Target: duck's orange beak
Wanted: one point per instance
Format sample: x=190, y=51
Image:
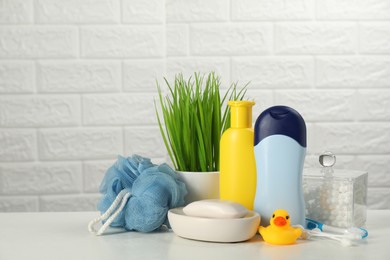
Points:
x=280, y=221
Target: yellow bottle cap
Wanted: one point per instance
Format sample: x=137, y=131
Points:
x=241, y=113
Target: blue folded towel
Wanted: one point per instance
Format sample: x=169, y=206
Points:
x=153, y=190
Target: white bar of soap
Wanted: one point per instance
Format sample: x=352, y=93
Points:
x=215, y=209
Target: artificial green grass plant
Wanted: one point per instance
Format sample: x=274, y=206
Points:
x=193, y=120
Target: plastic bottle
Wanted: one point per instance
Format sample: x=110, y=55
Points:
x=280, y=149
x=237, y=162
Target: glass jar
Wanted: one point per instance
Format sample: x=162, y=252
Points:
x=335, y=197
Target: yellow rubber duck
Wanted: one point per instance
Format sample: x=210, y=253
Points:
x=279, y=232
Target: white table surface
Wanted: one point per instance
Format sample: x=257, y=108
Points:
x=65, y=236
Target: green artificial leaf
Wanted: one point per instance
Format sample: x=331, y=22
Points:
x=193, y=120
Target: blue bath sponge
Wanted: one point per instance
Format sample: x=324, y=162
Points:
x=153, y=189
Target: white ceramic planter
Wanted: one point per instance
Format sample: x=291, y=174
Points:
x=200, y=185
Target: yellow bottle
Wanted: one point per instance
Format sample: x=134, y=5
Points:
x=237, y=160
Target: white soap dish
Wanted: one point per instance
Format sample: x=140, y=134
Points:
x=214, y=229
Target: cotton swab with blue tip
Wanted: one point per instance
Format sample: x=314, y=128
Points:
x=312, y=224
x=347, y=237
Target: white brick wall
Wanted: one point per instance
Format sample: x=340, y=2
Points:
x=16, y=77
x=229, y=39
x=78, y=80
x=30, y=41
x=78, y=76
x=77, y=11
x=39, y=110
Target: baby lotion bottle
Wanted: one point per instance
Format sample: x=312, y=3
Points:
x=280, y=149
x=237, y=162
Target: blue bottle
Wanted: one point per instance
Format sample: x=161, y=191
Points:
x=280, y=150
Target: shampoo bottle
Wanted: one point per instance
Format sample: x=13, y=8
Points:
x=280, y=149
x=237, y=162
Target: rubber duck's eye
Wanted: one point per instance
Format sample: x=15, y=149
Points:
x=273, y=215
x=287, y=217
